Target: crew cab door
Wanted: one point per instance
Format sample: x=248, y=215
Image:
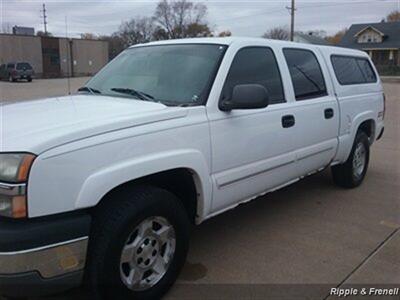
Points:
x=316, y=109
x=253, y=150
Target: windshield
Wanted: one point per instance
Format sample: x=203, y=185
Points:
x=178, y=74
x=23, y=66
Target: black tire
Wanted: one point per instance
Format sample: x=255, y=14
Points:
x=113, y=223
x=29, y=79
x=344, y=174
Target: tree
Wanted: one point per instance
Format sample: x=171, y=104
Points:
x=181, y=19
x=115, y=44
x=277, y=33
x=42, y=33
x=394, y=16
x=88, y=36
x=337, y=37
x=224, y=33
x=137, y=30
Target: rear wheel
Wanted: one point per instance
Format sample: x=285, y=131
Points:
x=29, y=79
x=351, y=173
x=138, y=245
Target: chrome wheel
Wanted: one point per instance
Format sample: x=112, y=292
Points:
x=147, y=253
x=359, y=160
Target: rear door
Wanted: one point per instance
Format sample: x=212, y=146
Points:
x=316, y=109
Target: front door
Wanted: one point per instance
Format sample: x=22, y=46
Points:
x=252, y=150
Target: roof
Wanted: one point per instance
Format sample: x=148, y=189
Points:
x=312, y=39
x=246, y=41
x=391, y=39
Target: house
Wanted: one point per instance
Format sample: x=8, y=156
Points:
x=309, y=38
x=380, y=40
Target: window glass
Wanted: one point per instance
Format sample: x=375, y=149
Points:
x=352, y=70
x=171, y=74
x=255, y=65
x=307, y=78
x=23, y=66
x=367, y=70
x=10, y=66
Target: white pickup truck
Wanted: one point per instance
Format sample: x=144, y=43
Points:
x=102, y=187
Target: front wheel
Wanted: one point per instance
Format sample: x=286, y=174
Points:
x=351, y=173
x=138, y=245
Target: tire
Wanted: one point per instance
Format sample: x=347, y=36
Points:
x=348, y=175
x=114, y=227
x=29, y=79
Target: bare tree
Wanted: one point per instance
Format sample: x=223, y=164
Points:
x=277, y=33
x=180, y=19
x=394, y=16
x=337, y=37
x=225, y=33
x=88, y=36
x=115, y=44
x=137, y=30
x=42, y=33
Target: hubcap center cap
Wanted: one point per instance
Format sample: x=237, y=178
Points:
x=147, y=252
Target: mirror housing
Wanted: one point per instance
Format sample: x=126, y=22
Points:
x=246, y=96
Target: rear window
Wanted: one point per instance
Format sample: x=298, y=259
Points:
x=23, y=66
x=352, y=70
x=306, y=73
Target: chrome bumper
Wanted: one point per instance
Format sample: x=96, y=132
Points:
x=49, y=261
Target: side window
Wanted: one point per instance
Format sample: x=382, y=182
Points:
x=352, y=70
x=306, y=73
x=10, y=66
x=255, y=65
x=367, y=70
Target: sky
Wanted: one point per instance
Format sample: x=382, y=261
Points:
x=242, y=18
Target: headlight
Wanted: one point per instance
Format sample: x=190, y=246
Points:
x=14, y=167
x=14, y=171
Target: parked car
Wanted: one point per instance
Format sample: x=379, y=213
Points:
x=16, y=70
x=105, y=184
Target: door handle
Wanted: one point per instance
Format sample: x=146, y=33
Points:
x=288, y=121
x=328, y=113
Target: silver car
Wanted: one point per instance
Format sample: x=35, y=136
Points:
x=16, y=70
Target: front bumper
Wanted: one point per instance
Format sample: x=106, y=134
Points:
x=42, y=256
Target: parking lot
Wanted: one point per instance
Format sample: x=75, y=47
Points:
x=298, y=241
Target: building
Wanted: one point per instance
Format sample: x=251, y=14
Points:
x=55, y=57
x=23, y=30
x=309, y=38
x=380, y=40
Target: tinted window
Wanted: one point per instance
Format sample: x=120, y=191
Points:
x=307, y=78
x=23, y=66
x=10, y=66
x=366, y=69
x=352, y=70
x=255, y=65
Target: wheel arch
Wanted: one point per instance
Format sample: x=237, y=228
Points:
x=167, y=171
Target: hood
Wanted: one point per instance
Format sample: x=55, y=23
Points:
x=37, y=125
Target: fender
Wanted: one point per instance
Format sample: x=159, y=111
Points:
x=100, y=183
x=346, y=140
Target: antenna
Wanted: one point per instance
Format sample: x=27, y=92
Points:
x=68, y=60
x=44, y=16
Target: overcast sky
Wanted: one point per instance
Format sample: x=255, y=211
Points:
x=242, y=18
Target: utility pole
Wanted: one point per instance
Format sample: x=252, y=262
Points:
x=44, y=18
x=292, y=9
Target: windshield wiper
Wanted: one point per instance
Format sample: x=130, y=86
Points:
x=135, y=93
x=89, y=89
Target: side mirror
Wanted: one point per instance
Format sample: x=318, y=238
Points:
x=246, y=96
